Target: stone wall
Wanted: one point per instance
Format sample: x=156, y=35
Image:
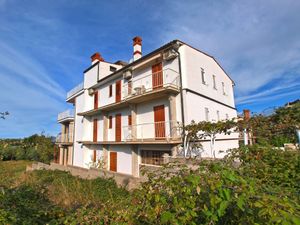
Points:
x=122, y=180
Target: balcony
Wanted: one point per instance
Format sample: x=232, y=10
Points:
x=153, y=82
x=166, y=131
x=74, y=92
x=143, y=89
x=66, y=116
x=64, y=138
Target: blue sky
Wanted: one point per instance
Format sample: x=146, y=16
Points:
x=45, y=46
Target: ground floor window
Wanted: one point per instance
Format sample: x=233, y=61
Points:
x=153, y=157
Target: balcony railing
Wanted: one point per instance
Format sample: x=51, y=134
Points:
x=166, y=130
x=75, y=90
x=150, y=82
x=64, y=138
x=65, y=115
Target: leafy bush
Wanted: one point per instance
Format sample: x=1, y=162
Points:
x=253, y=185
x=35, y=147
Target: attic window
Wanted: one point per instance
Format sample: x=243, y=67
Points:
x=112, y=69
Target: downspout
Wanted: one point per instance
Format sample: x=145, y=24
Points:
x=185, y=138
x=175, y=47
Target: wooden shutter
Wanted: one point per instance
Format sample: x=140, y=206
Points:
x=110, y=122
x=113, y=161
x=118, y=127
x=94, y=156
x=159, y=121
x=118, y=91
x=157, y=76
x=95, y=130
x=96, y=100
x=129, y=120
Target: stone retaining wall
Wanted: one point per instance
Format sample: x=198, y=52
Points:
x=122, y=180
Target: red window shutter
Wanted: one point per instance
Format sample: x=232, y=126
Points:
x=118, y=125
x=96, y=100
x=118, y=91
x=129, y=120
x=110, y=122
x=95, y=130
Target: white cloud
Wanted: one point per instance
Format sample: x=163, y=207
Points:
x=256, y=41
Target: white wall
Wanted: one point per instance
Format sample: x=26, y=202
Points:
x=145, y=117
x=88, y=152
x=195, y=109
x=91, y=76
x=221, y=148
x=124, y=158
x=111, y=135
x=78, y=132
x=192, y=62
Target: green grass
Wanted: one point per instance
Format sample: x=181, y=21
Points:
x=41, y=197
x=11, y=171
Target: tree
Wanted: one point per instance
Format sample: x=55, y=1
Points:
x=277, y=128
x=205, y=129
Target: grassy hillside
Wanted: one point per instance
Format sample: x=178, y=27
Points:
x=264, y=189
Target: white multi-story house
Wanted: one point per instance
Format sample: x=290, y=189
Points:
x=130, y=114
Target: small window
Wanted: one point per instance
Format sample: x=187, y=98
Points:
x=223, y=88
x=110, y=122
x=110, y=90
x=214, y=82
x=218, y=115
x=206, y=114
x=227, y=117
x=112, y=69
x=129, y=120
x=203, y=76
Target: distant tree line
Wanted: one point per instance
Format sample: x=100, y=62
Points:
x=36, y=147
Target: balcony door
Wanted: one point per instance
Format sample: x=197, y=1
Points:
x=157, y=76
x=118, y=127
x=118, y=91
x=159, y=122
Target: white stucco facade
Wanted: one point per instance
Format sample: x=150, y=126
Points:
x=130, y=114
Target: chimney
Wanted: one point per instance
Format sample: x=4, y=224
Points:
x=137, y=48
x=246, y=114
x=96, y=58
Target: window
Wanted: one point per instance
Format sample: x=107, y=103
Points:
x=153, y=157
x=110, y=90
x=112, y=69
x=218, y=115
x=223, y=88
x=206, y=114
x=129, y=120
x=129, y=87
x=202, y=76
x=110, y=122
x=227, y=117
x=214, y=82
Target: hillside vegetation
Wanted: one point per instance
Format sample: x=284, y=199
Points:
x=263, y=189
x=36, y=147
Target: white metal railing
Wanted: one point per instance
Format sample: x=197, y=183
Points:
x=64, y=137
x=164, y=130
x=142, y=84
x=65, y=114
x=75, y=90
